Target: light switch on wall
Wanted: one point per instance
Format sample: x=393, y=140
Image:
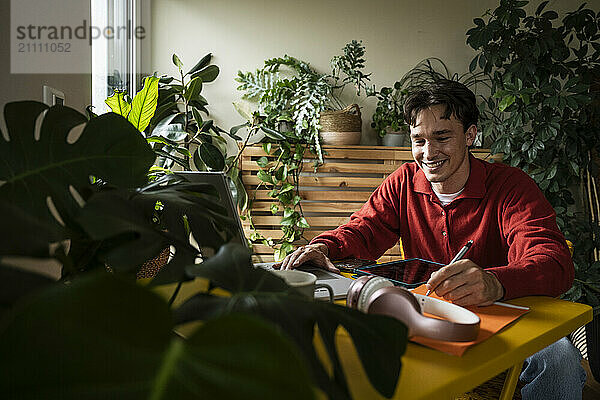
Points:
x=53, y=96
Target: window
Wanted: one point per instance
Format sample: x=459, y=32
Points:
x=120, y=55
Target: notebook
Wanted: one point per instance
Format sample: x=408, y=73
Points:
x=339, y=283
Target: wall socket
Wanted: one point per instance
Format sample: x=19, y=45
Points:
x=53, y=96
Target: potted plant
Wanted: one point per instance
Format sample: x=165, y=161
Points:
x=96, y=332
x=545, y=79
x=388, y=119
x=294, y=100
x=169, y=114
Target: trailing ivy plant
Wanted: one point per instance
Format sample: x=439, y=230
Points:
x=290, y=96
x=542, y=76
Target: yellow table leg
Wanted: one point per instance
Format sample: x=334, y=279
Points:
x=512, y=377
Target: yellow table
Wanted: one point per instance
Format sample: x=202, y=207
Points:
x=431, y=374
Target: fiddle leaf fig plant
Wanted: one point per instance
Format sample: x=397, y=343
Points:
x=545, y=76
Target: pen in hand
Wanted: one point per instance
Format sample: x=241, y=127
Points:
x=457, y=257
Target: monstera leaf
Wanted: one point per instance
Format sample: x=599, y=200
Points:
x=104, y=338
x=15, y=284
x=41, y=165
x=127, y=214
x=26, y=235
x=259, y=292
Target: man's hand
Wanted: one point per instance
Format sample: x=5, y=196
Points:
x=466, y=284
x=316, y=254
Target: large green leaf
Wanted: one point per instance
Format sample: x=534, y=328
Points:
x=211, y=156
x=29, y=236
x=108, y=148
x=128, y=214
x=208, y=74
x=204, y=61
x=193, y=89
x=118, y=104
x=103, y=338
x=259, y=292
x=144, y=104
x=16, y=283
x=170, y=130
x=177, y=62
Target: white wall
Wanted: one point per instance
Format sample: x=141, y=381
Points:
x=241, y=34
x=13, y=87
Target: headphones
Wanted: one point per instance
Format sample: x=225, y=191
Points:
x=377, y=295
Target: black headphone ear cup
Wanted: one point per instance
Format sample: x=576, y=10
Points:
x=368, y=289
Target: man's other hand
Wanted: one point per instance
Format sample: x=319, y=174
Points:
x=316, y=254
x=466, y=284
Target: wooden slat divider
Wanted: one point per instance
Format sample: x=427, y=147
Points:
x=334, y=167
x=314, y=195
x=312, y=221
x=308, y=207
x=262, y=250
x=277, y=233
x=325, y=181
x=330, y=195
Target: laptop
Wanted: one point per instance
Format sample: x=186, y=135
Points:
x=340, y=284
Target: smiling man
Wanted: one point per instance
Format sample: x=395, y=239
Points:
x=446, y=198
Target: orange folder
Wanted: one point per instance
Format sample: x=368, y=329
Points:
x=493, y=319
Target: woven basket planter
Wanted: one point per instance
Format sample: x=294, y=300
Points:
x=343, y=127
x=151, y=267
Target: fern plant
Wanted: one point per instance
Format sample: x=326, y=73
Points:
x=290, y=96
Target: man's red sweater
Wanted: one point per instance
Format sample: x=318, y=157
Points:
x=501, y=209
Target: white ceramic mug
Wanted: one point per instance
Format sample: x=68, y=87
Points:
x=303, y=282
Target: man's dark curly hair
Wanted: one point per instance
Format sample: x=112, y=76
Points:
x=458, y=99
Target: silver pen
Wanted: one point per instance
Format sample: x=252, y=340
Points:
x=457, y=257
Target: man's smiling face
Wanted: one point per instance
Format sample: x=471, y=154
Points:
x=440, y=148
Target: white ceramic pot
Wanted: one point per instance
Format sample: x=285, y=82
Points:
x=396, y=139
